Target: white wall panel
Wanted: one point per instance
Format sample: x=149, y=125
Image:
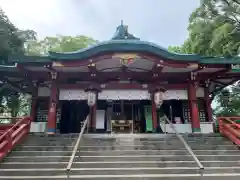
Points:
x=124, y=94
x=206, y=128
x=175, y=94
x=74, y=94
x=43, y=92
x=200, y=92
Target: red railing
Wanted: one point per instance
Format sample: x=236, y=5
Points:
x=13, y=135
x=7, y=125
x=230, y=127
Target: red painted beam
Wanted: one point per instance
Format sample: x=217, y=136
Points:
x=82, y=62
x=212, y=76
x=221, y=88
x=106, y=75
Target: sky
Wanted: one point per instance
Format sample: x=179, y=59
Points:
x=160, y=21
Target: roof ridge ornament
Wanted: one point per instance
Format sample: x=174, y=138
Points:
x=122, y=33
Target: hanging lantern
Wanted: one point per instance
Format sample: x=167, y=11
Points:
x=91, y=98
x=158, y=98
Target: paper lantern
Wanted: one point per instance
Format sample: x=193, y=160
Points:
x=91, y=98
x=158, y=98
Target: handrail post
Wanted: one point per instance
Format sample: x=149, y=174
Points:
x=201, y=167
x=9, y=141
x=165, y=130
x=75, y=149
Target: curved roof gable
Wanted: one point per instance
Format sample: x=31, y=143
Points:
x=123, y=41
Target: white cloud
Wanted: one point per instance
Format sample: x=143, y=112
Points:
x=164, y=22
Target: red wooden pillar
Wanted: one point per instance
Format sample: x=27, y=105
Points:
x=94, y=109
x=193, y=106
x=33, y=108
x=92, y=116
x=208, y=102
x=154, y=114
x=52, y=110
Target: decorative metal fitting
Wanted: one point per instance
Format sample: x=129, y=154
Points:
x=54, y=75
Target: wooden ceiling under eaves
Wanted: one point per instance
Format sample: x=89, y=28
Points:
x=138, y=69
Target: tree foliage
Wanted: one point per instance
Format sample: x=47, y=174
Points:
x=16, y=41
x=58, y=44
x=214, y=30
x=11, y=38
x=228, y=102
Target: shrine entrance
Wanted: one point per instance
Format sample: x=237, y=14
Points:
x=73, y=113
x=127, y=116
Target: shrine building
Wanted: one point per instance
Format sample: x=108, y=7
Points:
x=124, y=85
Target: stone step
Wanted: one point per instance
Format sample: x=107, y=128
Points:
x=127, y=147
x=157, y=147
x=44, y=148
x=146, y=137
x=117, y=171
x=46, y=143
x=122, y=152
x=216, y=176
x=175, y=143
x=62, y=157
x=116, y=164
x=118, y=157
x=149, y=135
x=159, y=158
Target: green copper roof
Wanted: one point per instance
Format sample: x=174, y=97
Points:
x=220, y=60
x=6, y=68
x=122, y=46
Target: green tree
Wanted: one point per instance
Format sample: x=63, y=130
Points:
x=11, y=38
x=175, y=49
x=58, y=44
x=12, y=41
x=214, y=30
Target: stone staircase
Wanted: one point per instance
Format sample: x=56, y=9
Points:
x=123, y=157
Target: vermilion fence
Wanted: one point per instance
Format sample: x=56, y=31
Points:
x=13, y=134
x=230, y=127
x=6, y=123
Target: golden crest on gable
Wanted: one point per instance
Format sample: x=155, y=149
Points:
x=57, y=64
x=126, y=58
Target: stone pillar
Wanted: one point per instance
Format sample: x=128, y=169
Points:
x=193, y=106
x=52, y=110
x=208, y=102
x=154, y=113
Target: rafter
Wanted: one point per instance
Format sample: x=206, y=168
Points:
x=212, y=76
x=12, y=84
x=217, y=90
x=27, y=76
x=218, y=82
